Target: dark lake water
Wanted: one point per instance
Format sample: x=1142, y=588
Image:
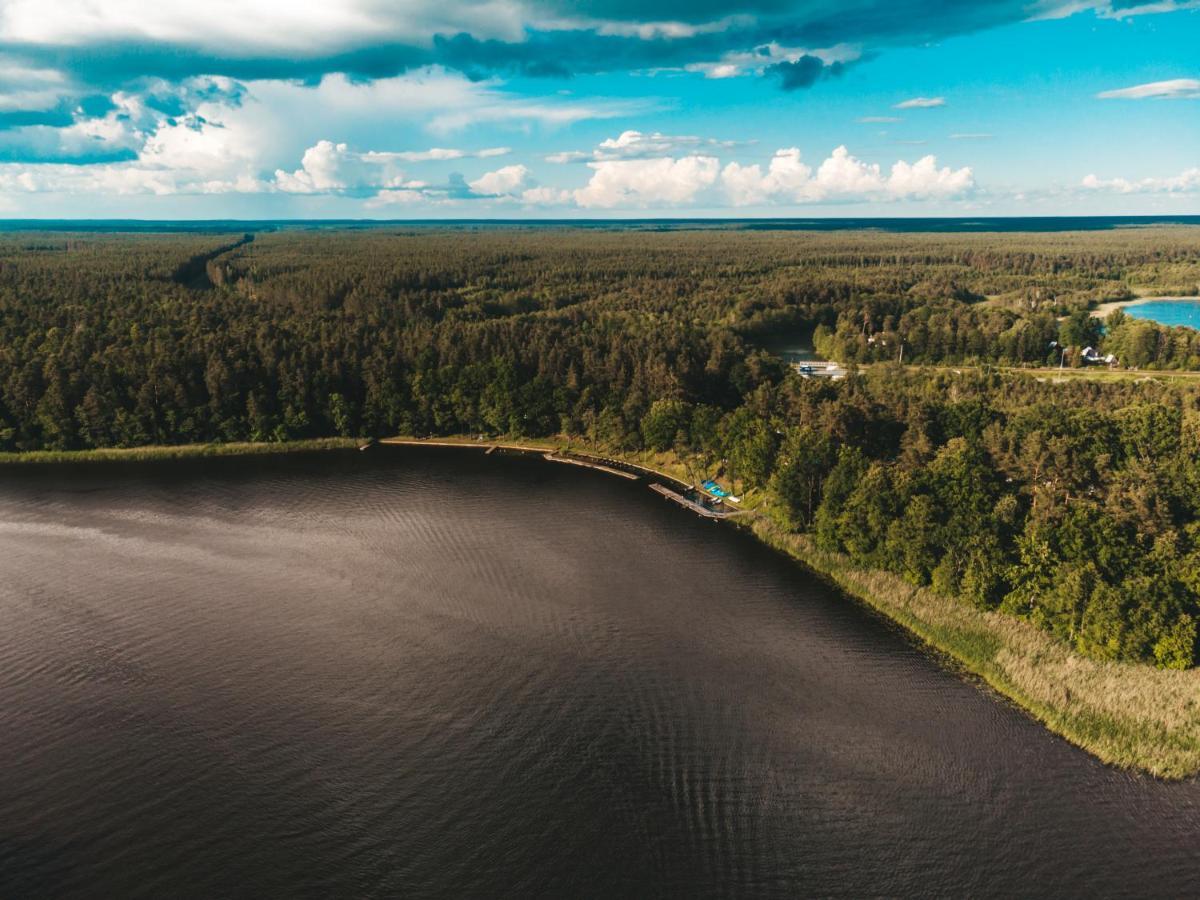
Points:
x=418, y=673
x=791, y=344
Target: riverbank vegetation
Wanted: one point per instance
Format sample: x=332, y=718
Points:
x=1129, y=715
x=175, y=451
x=1072, y=505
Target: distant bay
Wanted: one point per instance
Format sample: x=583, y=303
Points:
x=1168, y=311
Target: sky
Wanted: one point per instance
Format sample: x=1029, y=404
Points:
x=177, y=109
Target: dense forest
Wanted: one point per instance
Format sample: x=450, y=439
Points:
x=1074, y=503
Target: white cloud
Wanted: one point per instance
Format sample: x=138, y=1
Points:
x=722, y=70
x=115, y=179
x=271, y=26
x=1175, y=89
x=506, y=181
x=972, y=136
x=24, y=87
x=1185, y=182
x=921, y=103
x=546, y=196
x=878, y=120
x=567, y=156
x=397, y=197
x=327, y=167
x=248, y=137
x=639, y=145
x=649, y=31
x=841, y=177
x=647, y=182
x=786, y=176
x=760, y=58
x=924, y=179
x=507, y=110
x=1110, y=10
x=446, y=153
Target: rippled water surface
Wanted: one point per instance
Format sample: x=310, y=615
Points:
x=410, y=673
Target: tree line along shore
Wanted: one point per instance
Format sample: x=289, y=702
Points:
x=1065, y=509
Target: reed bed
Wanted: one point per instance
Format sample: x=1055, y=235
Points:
x=180, y=451
x=1129, y=715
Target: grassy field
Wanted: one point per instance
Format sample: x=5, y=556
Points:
x=181, y=451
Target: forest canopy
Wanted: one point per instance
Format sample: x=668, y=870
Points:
x=1072, y=503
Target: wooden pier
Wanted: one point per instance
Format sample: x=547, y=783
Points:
x=571, y=460
x=695, y=507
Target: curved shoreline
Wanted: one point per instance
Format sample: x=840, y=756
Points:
x=554, y=451
x=1130, y=715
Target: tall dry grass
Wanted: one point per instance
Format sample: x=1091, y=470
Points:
x=1128, y=714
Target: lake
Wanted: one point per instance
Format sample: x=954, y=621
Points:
x=427, y=673
x=792, y=345
x=1167, y=311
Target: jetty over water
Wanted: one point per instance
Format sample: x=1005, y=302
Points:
x=697, y=506
x=711, y=502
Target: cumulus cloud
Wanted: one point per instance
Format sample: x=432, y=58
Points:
x=840, y=177
x=506, y=181
x=786, y=176
x=327, y=167
x=208, y=135
x=921, y=103
x=640, y=183
x=1185, y=182
x=1175, y=89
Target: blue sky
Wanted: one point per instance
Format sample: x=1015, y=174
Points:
x=550, y=108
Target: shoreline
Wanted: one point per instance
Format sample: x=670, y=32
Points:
x=1129, y=715
x=551, y=450
x=174, y=451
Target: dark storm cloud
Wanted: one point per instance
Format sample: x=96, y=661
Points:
x=801, y=73
x=607, y=36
